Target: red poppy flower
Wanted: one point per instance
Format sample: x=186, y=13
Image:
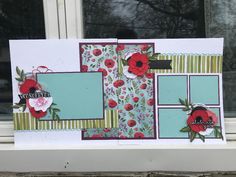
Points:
x=131, y=123
x=120, y=47
x=144, y=47
x=106, y=130
x=138, y=135
x=82, y=50
x=138, y=64
x=109, y=63
x=197, y=120
x=128, y=107
x=149, y=75
x=135, y=99
x=123, y=137
x=84, y=68
x=29, y=86
x=143, y=86
x=212, y=117
x=37, y=114
x=112, y=103
x=104, y=72
x=118, y=83
x=150, y=102
x=97, y=52
x=96, y=136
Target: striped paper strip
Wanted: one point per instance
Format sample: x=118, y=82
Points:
x=24, y=121
x=204, y=63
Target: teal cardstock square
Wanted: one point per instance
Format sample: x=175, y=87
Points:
x=79, y=96
x=170, y=89
x=204, y=89
x=171, y=121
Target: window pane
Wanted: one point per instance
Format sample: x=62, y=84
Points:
x=144, y=18
x=18, y=20
x=169, y=19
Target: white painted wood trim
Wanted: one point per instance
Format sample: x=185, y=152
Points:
x=51, y=18
x=119, y=158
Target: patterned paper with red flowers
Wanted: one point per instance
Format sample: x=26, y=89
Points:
x=134, y=90
x=103, y=58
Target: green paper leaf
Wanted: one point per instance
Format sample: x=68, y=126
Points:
x=18, y=71
x=22, y=74
x=109, y=79
x=50, y=110
x=23, y=108
x=181, y=101
x=57, y=117
x=152, y=58
x=185, y=109
x=192, y=136
x=53, y=115
x=56, y=110
x=202, y=137
x=124, y=62
x=156, y=54
x=19, y=79
x=15, y=106
x=185, y=129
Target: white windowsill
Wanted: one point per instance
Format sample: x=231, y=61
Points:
x=90, y=158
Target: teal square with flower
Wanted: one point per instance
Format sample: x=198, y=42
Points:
x=171, y=121
x=79, y=96
x=204, y=89
x=170, y=89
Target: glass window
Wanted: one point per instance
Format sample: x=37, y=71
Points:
x=18, y=20
x=169, y=19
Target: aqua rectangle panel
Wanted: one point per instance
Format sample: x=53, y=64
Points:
x=170, y=89
x=79, y=96
x=204, y=89
x=171, y=121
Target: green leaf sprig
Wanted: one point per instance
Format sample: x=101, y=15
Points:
x=188, y=106
x=21, y=75
x=54, y=112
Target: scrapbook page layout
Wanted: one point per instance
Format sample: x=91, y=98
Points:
x=96, y=91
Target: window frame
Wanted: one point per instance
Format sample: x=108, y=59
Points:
x=64, y=19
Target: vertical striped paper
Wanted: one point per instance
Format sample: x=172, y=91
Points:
x=24, y=121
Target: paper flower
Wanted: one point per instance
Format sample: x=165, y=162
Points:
x=143, y=86
x=118, y=83
x=127, y=73
x=112, y=103
x=120, y=47
x=201, y=121
x=128, y=107
x=41, y=103
x=37, y=114
x=84, y=68
x=208, y=131
x=41, y=69
x=131, y=123
x=109, y=63
x=197, y=119
x=138, y=135
x=29, y=86
x=138, y=64
x=104, y=72
x=150, y=102
x=97, y=52
x=136, y=99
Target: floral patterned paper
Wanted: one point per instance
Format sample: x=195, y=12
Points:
x=134, y=96
x=103, y=58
